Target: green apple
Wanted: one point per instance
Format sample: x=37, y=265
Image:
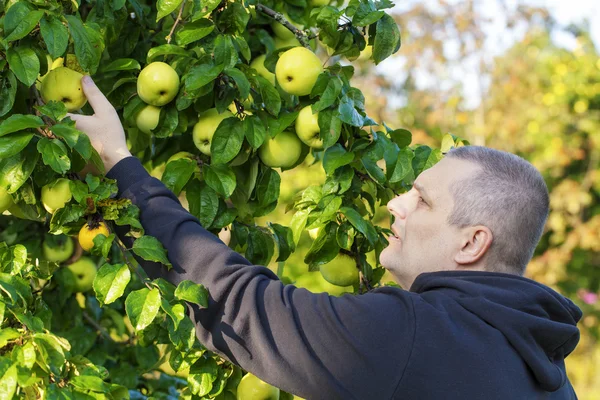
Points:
x=293, y=42
x=297, y=71
x=252, y=388
x=147, y=119
x=366, y=53
x=282, y=151
x=259, y=65
x=283, y=32
x=58, y=248
x=84, y=271
x=307, y=128
x=319, y=3
x=6, y=200
x=56, y=194
x=59, y=62
x=205, y=128
x=64, y=84
x=158, y=84
x=341, y=271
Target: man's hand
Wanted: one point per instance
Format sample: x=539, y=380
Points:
x=104, y=127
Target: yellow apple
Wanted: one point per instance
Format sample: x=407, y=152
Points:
x=307, y=128
x=341, y=271
x=158, y=84
x=147, y=119
x=87, y=234
x=252, y=388
x=297, y=71
x=6, y=200
x=282, y=151
x=64, y=84
x=259, y=65
x=283, y=32
x=205, y=128
x=59, y=62
x=84, y=272
x=56, y=194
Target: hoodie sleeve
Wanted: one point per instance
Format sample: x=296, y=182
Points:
x=314, y=345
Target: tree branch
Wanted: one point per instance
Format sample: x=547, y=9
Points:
x=279, y=17
x=170, y=35
x=101, y=329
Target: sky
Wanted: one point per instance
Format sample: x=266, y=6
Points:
x=565, y=12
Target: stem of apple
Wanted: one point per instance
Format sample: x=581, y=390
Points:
x=300, y=34
x=170, y=35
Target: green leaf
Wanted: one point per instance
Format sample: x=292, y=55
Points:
x=24, y=63
x=335, y=157
x=348, y=112
x=8, y=378
x=67, y=131
x=19, y=122
x=254, y=131
x=227, y=140
x=329, y=96
x=167, y=50
x=8, y=334
x=55, y=35
x=25, y=355
x=51, y=353
x=150, y=249
x=142, y=307
x=177, y=174
x=267, y=187
x=121, y=64
x=403, y=165
x=323, y=249
x=14, y=143
x=331, y=127
x=166, y=7
x=54, y=154
x=373, y=170
x=241, y=81
x=366, y=14
x=192, y=293
x=364, y=227
x=25, y=26
x=88, y=382
x=221, y=178
x=184, y=336
x=8, y=91
x=202, y=375
x=285, y=241
x=270, y=96
x=88, y=44
x=203, y=201
x=110, y=282
x=193, y=31
x=387, y=39
x=15, y=14
x=260, y=246
x=15, y=170
x=207, y=7
x=401, y=137
x=200, y=75
x=176, y=312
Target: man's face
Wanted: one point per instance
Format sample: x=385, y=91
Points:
x=422, y=239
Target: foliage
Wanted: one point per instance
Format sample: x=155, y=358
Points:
x=110, y=342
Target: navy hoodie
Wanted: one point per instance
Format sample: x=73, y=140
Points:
x=453, y=335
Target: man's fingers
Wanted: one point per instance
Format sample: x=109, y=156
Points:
x=95, y=97
x=76, y=117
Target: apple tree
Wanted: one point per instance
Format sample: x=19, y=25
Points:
x=218, y=99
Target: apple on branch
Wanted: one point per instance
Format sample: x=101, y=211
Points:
x=205, y=128
x=297, y=71
x=307, y=128
x=259, y=65
x=147, y=119
x=282, y=151
x=56, y=194
x=84, y=271
x=341, y=271
x=158, y=84
x=64, y=84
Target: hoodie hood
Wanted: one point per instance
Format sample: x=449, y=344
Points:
x=537, y=321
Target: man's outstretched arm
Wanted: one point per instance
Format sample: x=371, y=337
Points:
x=314, y=345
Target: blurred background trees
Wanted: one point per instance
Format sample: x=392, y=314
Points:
x=522, y=91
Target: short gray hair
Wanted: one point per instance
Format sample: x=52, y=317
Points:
x=509, y=196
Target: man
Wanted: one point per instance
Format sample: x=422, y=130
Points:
x=470, y=327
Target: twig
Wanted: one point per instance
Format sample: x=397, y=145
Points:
x=102, y=329
x=46, y=120
x=170, y=35
x=300, y=34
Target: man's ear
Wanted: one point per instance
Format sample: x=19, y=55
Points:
x=477, y=241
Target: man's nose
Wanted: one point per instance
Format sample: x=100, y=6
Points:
x=398, y=206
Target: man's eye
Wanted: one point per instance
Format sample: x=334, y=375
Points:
x=421, y=200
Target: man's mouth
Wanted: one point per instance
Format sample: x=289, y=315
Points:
x=394, y=235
